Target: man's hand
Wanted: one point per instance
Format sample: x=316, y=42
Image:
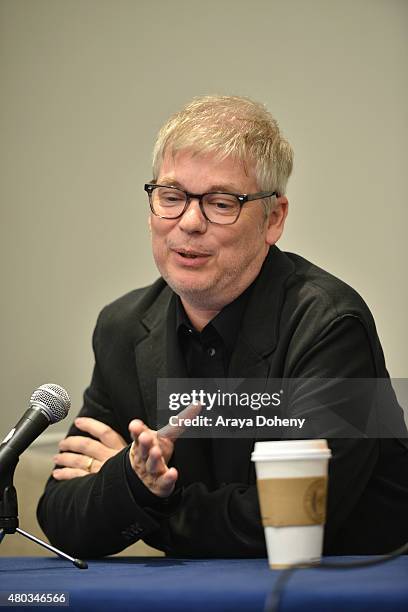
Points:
x=151, y=451
x=81, y=455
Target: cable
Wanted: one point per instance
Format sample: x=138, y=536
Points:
x=274, y=598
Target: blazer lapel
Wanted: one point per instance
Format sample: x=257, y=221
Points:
x=151, y=355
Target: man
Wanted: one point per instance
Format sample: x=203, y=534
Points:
x=228, y=303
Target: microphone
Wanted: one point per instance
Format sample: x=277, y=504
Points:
x=48, y=404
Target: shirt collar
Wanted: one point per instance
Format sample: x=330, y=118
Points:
x=226, y=324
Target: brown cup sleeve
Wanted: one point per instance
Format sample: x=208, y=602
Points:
x=292, y=501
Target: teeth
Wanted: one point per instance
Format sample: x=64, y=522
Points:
x=189, y=255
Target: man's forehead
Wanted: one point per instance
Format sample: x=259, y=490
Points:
x=174, y=159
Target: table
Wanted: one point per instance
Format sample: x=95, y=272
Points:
x=148, y=584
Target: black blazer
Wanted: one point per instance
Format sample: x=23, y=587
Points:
x=300, y=322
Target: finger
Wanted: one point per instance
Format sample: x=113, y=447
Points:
x=68, y=473
x=174, y=431
x=83, y=445
x=103, y=432
x=136, y=427
x=155, y=463
x=145, y=443
x=167, y=483
x=137, y=464
x=74, y=460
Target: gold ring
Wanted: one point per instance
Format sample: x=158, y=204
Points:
x=89, y=466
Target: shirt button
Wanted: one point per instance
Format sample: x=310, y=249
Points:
x=211, y=351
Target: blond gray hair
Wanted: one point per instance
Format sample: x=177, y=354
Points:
x=229, y=126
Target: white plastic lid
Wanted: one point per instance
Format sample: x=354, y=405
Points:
x=290, y=450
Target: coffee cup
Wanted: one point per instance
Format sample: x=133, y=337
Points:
x=292, y=478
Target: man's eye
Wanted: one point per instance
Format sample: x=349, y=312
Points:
x=222, y=205
x=172, y=198
x=169, y=197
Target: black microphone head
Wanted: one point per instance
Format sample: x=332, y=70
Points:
x=53, y=400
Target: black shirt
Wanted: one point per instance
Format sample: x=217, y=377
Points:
x=207, y=353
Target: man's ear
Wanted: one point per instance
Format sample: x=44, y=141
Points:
x=276, y=220
x=149, y=220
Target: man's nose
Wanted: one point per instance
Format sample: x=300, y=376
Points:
x=193, y=219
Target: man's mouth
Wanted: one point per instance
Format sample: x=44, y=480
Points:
x=187, y=254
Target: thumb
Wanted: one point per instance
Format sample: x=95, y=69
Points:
x=172, y=432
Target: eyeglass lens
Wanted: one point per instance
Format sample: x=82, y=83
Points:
x=218, y=207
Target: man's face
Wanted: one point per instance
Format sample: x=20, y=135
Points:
x=229, y=257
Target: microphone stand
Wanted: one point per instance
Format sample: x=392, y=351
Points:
x=9, y=514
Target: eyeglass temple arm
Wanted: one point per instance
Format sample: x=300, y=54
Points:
x=261, y=195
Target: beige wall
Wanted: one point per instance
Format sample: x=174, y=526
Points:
x=85, y=84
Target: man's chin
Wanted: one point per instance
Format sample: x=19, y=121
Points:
x=192, y=290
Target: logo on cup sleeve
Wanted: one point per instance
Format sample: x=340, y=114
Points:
x=315, y=500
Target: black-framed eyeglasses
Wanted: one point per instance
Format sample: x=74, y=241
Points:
x=223, y=208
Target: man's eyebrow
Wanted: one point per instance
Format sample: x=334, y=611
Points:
x=226, y=188
x=223, y=188
x=169, y=181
